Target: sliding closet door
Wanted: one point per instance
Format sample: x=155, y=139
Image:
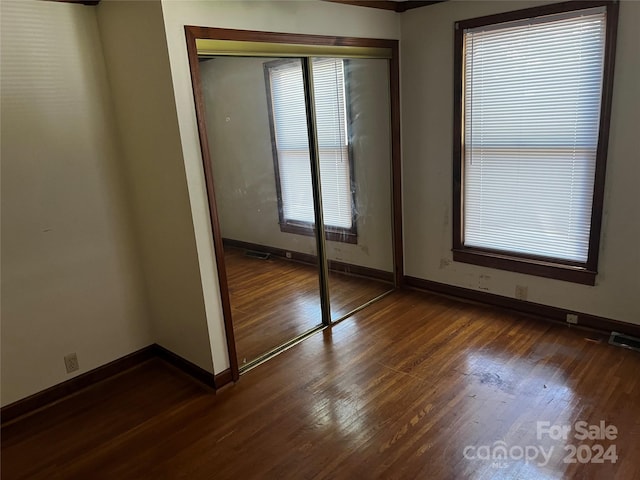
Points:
x=352, y=115
x=259, y=148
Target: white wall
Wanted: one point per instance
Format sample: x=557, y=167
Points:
x=427, y=93
x=70, y=266
x=286, y=16
x=242, y=158
x=135, y=52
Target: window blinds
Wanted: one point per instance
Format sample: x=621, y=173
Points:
x=532, y=94
x=289, y=115
x=292, y=141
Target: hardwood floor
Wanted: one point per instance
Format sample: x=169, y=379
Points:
x=399, y=390
x=276, y=300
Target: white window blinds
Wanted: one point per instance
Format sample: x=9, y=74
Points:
x=532, y=94
x=289, y=118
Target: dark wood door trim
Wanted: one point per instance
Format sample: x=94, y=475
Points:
x=396, y=163
x=198, y=97
x=194, y=32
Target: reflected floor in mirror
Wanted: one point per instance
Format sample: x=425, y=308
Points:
x=276, y=300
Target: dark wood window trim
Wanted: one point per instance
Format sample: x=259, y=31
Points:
x=336, y=234
x=584, y=273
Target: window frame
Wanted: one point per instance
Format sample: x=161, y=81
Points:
x=332, y=233
x=577, y=272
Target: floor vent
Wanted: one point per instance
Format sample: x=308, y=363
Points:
x=625, y=341
x=258, y=255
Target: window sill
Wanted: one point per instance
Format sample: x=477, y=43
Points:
x=331, y=233
x=529, y=266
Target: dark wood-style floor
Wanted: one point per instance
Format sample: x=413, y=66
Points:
x=397, y=391
x=276, y=300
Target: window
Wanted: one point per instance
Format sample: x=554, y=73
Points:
x=285, y=88
x=533, y=92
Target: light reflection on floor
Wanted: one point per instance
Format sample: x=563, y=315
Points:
x=495, y=387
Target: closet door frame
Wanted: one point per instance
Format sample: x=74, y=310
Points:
x=254, y=44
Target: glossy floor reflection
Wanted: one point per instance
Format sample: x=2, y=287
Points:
x=276, y=300
x=399, y=390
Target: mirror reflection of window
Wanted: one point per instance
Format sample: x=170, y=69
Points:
x=290, y=136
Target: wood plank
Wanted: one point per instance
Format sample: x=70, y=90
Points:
x=396, y=391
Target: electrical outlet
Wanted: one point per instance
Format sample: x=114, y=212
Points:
x=287, y=254
x=572, y=318
x=521, y=292
x=71, y=362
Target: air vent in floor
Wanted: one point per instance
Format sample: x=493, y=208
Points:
x=258, y=255
x=625, y=341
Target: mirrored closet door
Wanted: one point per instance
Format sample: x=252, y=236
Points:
x=352, y=115
x=298, y=163
x=257, y=130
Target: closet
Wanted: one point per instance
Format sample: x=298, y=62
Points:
x=300, y=147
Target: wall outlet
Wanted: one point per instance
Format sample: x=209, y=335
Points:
x=572, y=318
x=71, y=362
x=522, y=292
x=287, y=254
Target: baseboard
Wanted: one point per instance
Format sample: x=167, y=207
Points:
x=360, y=271
x=57, y=392
x=606, y=325
x=46, y=397
x=185, y=365
x=334, y=265
x=223, y=378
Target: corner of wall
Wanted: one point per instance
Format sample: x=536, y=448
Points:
x=136, y=55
